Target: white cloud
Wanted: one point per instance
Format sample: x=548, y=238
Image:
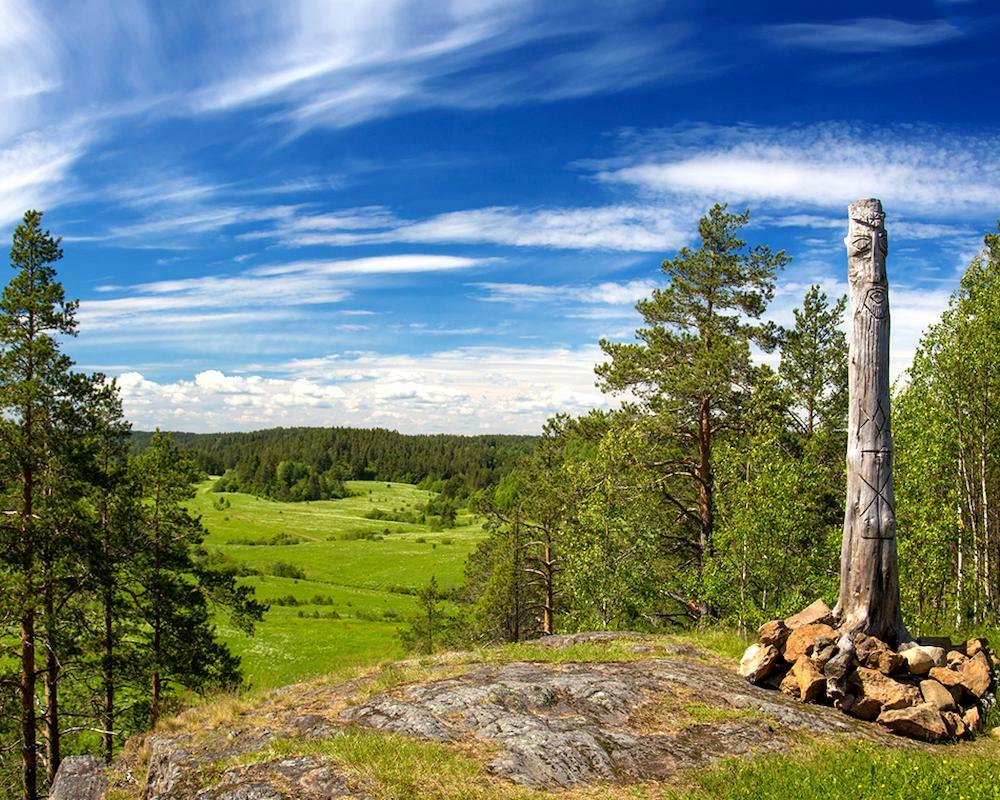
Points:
x=470, y=390
x=869, y=35
x=34, y=170
x=914, y=171
x=253, y=296
x=604, y=293
x=630, y=227
x=313, y=64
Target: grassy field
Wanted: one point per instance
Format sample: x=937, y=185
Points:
x=358, y=574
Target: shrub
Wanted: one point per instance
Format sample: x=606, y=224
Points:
x=282, y=569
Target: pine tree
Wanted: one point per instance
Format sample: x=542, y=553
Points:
x=172, y=583
x=690, y=367
x=814, y=361
x=33, y=375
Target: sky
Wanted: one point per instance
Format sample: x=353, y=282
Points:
x=425, y=215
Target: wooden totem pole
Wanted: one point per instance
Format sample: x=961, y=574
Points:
x=869, y=572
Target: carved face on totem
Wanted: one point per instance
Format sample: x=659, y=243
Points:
x=867, y=247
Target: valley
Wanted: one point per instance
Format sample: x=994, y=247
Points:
x=344, y=580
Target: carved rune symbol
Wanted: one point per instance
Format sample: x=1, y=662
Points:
x=878, y=419
x=876, y=473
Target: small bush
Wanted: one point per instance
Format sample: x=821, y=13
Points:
x=282, y=569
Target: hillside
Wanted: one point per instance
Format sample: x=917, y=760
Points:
x=338, y=582
x=588, y=716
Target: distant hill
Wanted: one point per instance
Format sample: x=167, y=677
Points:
x=451, y=464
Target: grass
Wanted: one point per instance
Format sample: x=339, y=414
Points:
x=370, y=569
x=858, y=772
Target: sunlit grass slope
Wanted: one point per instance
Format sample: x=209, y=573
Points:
x=359, y=573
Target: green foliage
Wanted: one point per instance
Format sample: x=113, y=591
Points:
x=814, y=362
x=778, y=538
x=432, y=627
x=306, y=464
x=946, y=422
x=282, y=569
x=688, y=371
x=176, y=586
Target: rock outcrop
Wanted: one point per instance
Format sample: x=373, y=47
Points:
x=80, y=778
x=651, y=710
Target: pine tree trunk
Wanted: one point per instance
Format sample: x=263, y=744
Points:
x=53, y=750
x=869, y=572
x=706, y=509
x=108, y=678
x=29, y=755
x=29, y=740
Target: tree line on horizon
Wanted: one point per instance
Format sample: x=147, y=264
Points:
x=309, y=463
x=107, y=599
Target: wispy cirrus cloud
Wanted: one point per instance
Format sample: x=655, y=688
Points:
x=226, y=299
x=603, y=293
x=867, y=35
x=627, y=227
x=915, y=170
x=35, y=170
x=317, y=65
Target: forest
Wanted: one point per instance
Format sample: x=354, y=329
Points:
x=710, y=495
x=312, y=463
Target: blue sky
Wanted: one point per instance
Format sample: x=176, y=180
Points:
x=424, y=215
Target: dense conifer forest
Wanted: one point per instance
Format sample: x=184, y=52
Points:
x=312, y=463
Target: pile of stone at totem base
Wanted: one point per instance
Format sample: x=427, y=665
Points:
x=929, y=689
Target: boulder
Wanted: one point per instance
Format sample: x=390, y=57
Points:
x=937, y=695
x=837, y=671
x=920, y=659
x=950, y=679
x=973, y=719
x=774, y=632
x=80, y=778
x=956, y=659
x=921, y=721
x=823, y=650
x=876, y=654
x=802, y=639
x=790, y=686
x=759, y=661
x=976, y=676
x=810, y=680
x=818, y=612
x=995, y=733
x=876, y=693
x=974, y=646
x=953, y=722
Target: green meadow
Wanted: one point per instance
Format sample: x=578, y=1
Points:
x=352, y=578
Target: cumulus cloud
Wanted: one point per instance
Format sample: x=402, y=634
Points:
x=470, y=390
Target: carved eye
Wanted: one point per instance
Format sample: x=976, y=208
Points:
x=860, y=245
